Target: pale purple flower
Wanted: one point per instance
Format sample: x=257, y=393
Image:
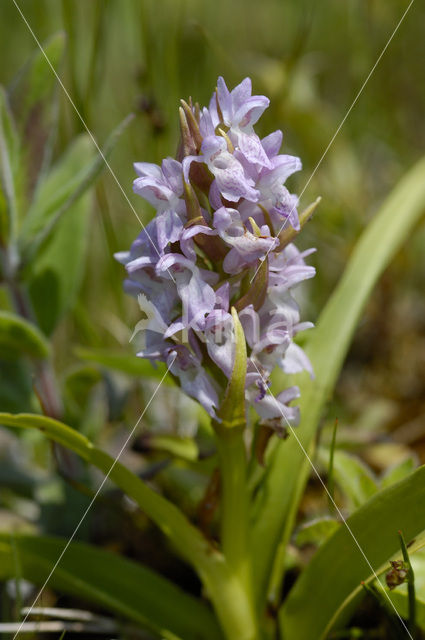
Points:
x=212, y=245
x=240, y=111
x=228, y=172
x=245, y=247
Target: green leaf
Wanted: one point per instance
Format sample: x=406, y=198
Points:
x=338, y=567
x=73, y=174
x=316, y=532
x=9, y=168
x=126, y=363
x=352, y=476
x=59, y=185
x=57, y=273
x=327, y=346
x=184, y=448
x=117, y=584
x=398, y=472
x=20, y=337
x=33, y=98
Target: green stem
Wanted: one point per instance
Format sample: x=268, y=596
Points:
x=233, y=497
x=234, y=516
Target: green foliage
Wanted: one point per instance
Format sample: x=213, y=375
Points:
x=103, y=578
x=398, y=472
x=20, y=337
x=58, y=189
x=228, y=594
x=63, y=186
x=316, y=532
x=9, y=168
x=57, y=274
x=33, y=97
x=352, y=476
x=15, y=384
x=125, y=363
x=335, y=572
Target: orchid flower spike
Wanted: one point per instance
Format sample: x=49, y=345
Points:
x=221, y=239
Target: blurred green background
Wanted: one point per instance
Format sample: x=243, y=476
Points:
x=310, y=58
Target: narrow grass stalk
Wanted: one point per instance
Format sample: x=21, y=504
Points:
x=410, y=586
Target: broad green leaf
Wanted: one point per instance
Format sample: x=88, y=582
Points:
x=115, y=583
x=9, y=168
x=351, y=475
x=126, y=363
x=317, y=531
x=20, y=337
x=33, y=98
x=56, y=275
x=327, y=346
x=338, y=567
x=73, y=174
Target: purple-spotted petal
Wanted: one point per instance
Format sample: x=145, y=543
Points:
x=198, y=297
x=251, y=147
x=250, y=111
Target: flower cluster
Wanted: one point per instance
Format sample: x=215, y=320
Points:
x=221, y=238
